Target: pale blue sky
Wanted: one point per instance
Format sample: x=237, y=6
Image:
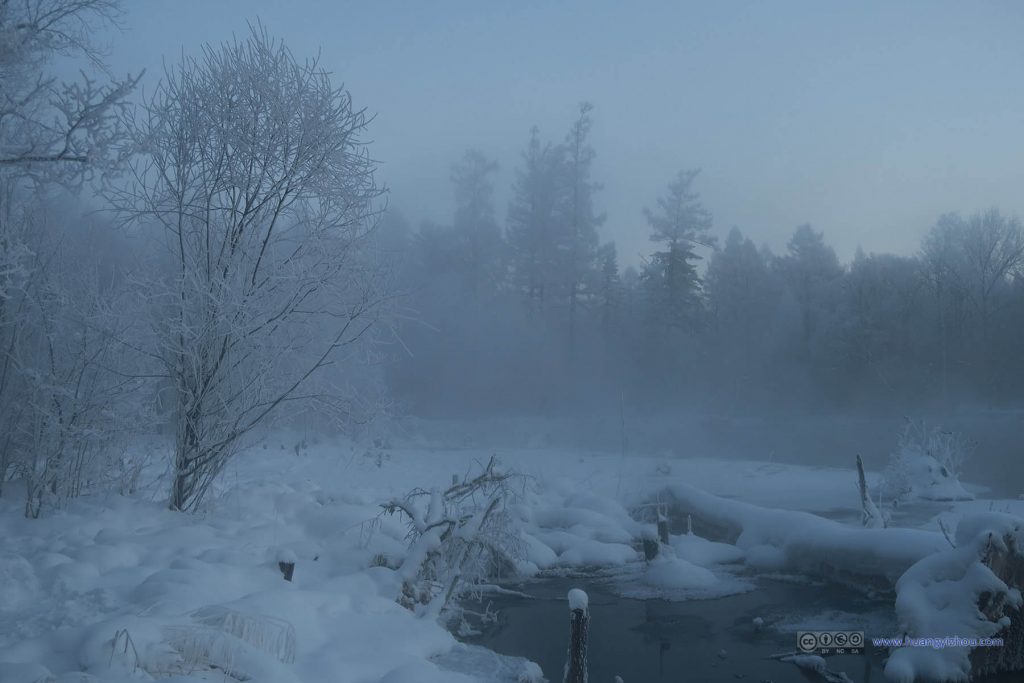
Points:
x=866, y=119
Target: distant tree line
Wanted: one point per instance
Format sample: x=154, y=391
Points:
x=530, y=312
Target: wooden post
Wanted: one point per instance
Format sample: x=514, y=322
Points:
x=579, y=621
x=287, y=569
x=663, y=525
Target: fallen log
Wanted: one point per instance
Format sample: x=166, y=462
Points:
x=801, y=542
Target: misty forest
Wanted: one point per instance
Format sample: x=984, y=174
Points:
x=279, y=404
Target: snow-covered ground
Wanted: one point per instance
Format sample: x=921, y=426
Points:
x=119, y=589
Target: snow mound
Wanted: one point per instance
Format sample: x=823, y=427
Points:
x=25, y=673
x=565, y=527
x=688, y=569
x=18, y=582
x=675, y=573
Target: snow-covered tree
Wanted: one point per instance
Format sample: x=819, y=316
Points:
x=251, y=174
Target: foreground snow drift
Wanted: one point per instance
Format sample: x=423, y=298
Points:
x=121, y=589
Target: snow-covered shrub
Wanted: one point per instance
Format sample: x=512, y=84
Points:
x=926, y=464
x=458, y=537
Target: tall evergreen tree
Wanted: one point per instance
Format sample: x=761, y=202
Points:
x=578, y=250
x=810, y=269
x=476, y=232
x=608, y=285
x=680, y=224
x=531, y=235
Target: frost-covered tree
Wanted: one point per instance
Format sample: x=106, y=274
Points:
x=53, y=326
x=971, y=263
x=49, y=127
x=251, y=173
x=872, y=336
x=75, y=391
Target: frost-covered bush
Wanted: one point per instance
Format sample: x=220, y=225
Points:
x=926, y=464
x=458, y=537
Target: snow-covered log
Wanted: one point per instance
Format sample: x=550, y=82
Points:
x=806, y=543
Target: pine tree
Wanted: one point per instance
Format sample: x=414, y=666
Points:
x=579, y=247
x=477, y=236
x=608, y=285
x=810, y=268
x=531, y=233
x=671, y=281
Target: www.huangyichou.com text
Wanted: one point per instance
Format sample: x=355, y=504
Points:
x=937, y=643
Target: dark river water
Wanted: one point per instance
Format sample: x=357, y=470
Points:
x=695, y=641
x=698, y=640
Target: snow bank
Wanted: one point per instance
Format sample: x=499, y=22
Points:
x=956, y=594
